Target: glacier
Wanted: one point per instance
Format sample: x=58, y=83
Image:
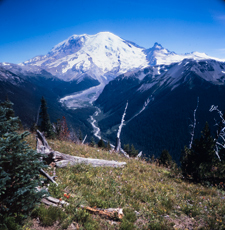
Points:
x=103, y=57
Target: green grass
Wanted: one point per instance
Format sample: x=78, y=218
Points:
x=161, y=197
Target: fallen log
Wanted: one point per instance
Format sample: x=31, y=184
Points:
x=110, y=213
x=89, y=161
x=51, y=201
x=63, y=160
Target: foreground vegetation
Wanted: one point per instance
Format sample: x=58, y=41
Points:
x=153, y=197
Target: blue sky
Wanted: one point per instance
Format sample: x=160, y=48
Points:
x=29, y=27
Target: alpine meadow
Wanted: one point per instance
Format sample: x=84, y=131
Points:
x=112, y=130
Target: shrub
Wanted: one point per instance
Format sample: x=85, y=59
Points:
x=48, y=216
x=128, y=219
x=126, y=225
x=129, y=214
x=55, y=190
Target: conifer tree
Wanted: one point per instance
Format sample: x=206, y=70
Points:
x=130, y=150
x=8, y=105
x=80, y=135
x=92, y=144
x=133, y=151
x=165, y=158
x=101, y=143
x=108, y=147
x=46, y=125
x=198, y=161
x=19, y=170
x=126, y=148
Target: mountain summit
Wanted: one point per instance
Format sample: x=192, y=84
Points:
x=103, y=57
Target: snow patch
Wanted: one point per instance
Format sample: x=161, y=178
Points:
x=145, y=87
x=143, y=108
x=4, y=63
x=156, y=70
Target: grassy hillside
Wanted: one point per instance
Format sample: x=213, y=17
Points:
x=153, y=197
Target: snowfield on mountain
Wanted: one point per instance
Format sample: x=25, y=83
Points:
x=104, y=56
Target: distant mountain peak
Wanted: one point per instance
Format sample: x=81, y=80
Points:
x=157, y=46
x=102, y=56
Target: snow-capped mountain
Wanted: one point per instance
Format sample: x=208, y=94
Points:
x=173, y=75
x=24, y=70
x=7, y=76
x=103, y=56
x=157, y=55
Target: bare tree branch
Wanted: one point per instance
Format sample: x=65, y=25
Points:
x=49, y=177
x=122, y=121
x=193, y=125
x=118, y=143
x=84, y=139
x=220, y=132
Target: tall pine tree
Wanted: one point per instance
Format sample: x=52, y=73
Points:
x=165, y=158
x=101, y=143
x=19, y=169
x=8, y=105
x=46, y=125
x=198, y=161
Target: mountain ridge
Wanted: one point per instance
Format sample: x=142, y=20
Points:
x=104, y=56
x=162, y=104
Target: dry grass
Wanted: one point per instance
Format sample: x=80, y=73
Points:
x=162, y=200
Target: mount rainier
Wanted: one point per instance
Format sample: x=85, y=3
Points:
x=105, y=71
x=103, y=57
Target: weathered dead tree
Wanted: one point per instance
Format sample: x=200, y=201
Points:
x=110, y=213
x=48, y=200
x=42, y=145
x=193, y=125
x=84, y=139
x=220, y=136
x=139, y=155
x=62, y=160
x=118, y=142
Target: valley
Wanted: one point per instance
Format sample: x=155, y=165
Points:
x=90, y=78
